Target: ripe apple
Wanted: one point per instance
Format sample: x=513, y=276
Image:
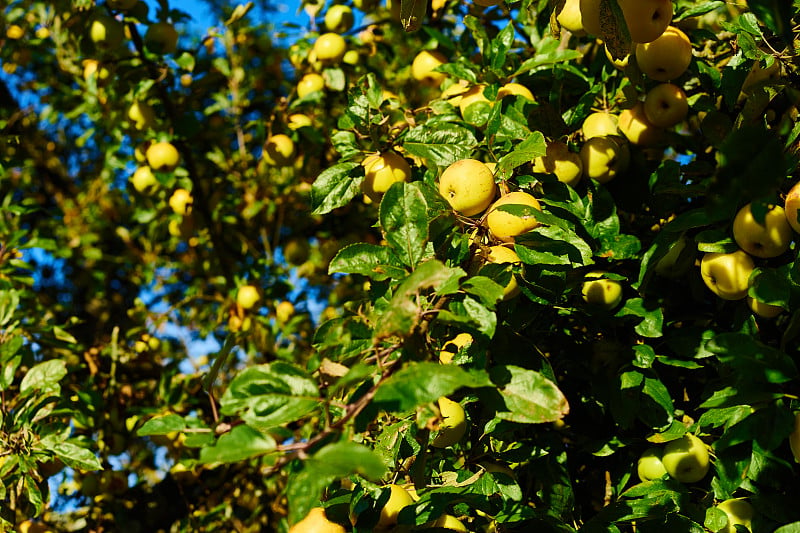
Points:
x=764, y=310
x=454, y=92
x=649, y=466
x=299, y=120
x=351, y=57
x=667, y=57
x=316, y=522
x=570, y=17
x=161, y=38
x=558, y=160
x=604, y=158
x=768, y=239
x=516, y=89
x=106, y=32
x=422, y=68
x=471, y=96
x=666, y=105
x=633, y=123
x=600, y=124
x=453, y=424
x=619, y=64
x=310, y=83
x=792, y=207
x=330, y=48
x=794, y=439
x=646, y=19
x=686, y=459
x=447, y=521
x=453, y=346
x=92, y=67
x=739, y=512
x=468, y=186
x=381, y=171
x=181, y=201
x=727, y=275
x=163, y=156
x=500, y=254
x=142, y=115
x=399, y=498
x=143, y=180
x=278, y=150
x=339, y=18
x=247, y=296
x=15, y=32
x=505, y=226
x=590, y=16
x=601, y=293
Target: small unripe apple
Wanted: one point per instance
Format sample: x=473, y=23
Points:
x=649, y=466
x=453, y=424
x=106, y=32
x=161, y=38
x=727, y=275
x=330, y=48
x=279, y=151
x=339, y=18
x=666, y=105
x=739, y=512
x=422, y=68
x=163, y=156
x=310, y=83
x=381, y=171
x=299, y=120
x=92, y=67
x=181, y=201
x=667, y=57
x=504, y=225
x=247, y=296
x=468, y=186
x=600, y=292
x=686, y=459
x=142, y=115
x=143, y=180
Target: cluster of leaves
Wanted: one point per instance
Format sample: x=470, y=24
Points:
x=299, y=409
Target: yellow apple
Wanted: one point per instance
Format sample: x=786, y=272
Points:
x=686, y=459
x=279, y=150
x=143, y=179
x=351, y=57
x=727, y=275
x=106, y=32
x=468, y=186
x=471, y=96
x=604, y=158
x=15, y=32
x=515, y=89
x=453, y=346
x=310, y=83
x=619, y=64
x=247, y=296
x=330, y=48
x=646, y=19
x=92, y=67
x=666, y=105
x=453, y=424
x=454, y=92
x=162, y=156
x=558, y=160
x=667, y=57
x=339, y=18
x=161, y=38
x=500, y=254
x=633, y=123
x=590, y=16
x=316, y=522
x=284, y=312
x=762, y=309
x=381, y=171
x=600, y=124
x=792, y=207
x=649, y=466
x=399, y=498
x=769, y=238
x=505, y=226
x=299, y=120
x=794, y=439
x=422, y=68
x=142, y=115
x=739, y=512
x=570, y=17
x=601, y=293
x=450, y=522
x=181, y=201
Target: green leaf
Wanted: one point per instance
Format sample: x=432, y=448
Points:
x=529, y=397
x=162, y=425
x=548, y=53
x=269, y=395
x=485, y=289
x=75, y=456
x=652, y=319
x=752, y=360
x=485, y=319
x=404, y=220
x=440, y=143
x=412, y=14
x=44, y=376
x=240, y=443
x=698, y=9
x=342, y=459
x=9, y=301
x=371, y=260
x=335, y=187
x=406, y=388
x=794, y=527
x=525, y=152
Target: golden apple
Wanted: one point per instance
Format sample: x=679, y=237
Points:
x=15, y=32
x=558, y=160
x=633, y=123
x=316, y=522
x=619, y=64
x=727, y=275
x=92, y=67
x=106, y=32
x=284, y=311
x=686, y=459
x=181, y=201
x=739, y=512
x=162, y=156
x=601, y=293
x=453, y=346
x=472, y=96
x=161, y=38
x=142, y=115
x=762, y=309
x=667, y=57
x=500, y=254
x=381, y=171
x=769, y=238
x=279, y=150
x=247, y=296
x=399, y=498
x=515, y=89
x=299, y=120
x=600, y=124
x=666, y=105
x=454, y=92
x=447, y=521
x=143, y=179
x=792, y=207
x=649, y=466
x=422, y=68
x=590, y=16
x=468, y=186
x=604, y=158
x=570, y=17
x=505, y=226
x=339, y=18
x=646, y=19
x=310, y=83
x=330, y=48
x=453, y=425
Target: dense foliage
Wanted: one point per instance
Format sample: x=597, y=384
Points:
x=304, y=223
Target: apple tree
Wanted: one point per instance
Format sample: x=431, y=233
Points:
x=448, y=266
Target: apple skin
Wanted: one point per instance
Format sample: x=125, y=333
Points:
x=739, y=511
x=453, y=346
x=686, y=459
x=279, y=150
x=163, y=156
x=792, y=206
x=601, y=293
x=600, y=124
x=649, y=465
x=515, y=89
x=330, y=48
x=764, y=310
x=142, y=115
x=247, y=296
x=468, y=186
x=284, y=312
x=453, y=426
x=381, y=171
x=399, y=498
x=310, y=83
x=770, y=239
x=570, y=17
x=503, y=254
x=143, y=180
x=503, y=225
x=161, y=38
x=106, y=32
x=727, y=275
x=646, y=19
x=316, y=522
x=558, y=160
x=604, y=158
x=423, y=65
x=181, y=201
x=619, y=64
x=637, y=128
x=471, y=96
x=590, y=16
x=447, y=521
x=667, y=57
x=666, y=105
x=339, y=18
